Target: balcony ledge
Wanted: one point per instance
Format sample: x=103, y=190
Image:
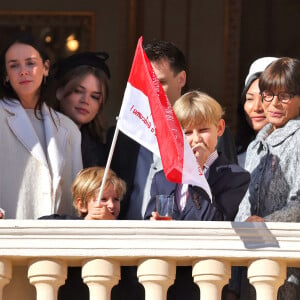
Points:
x=128, y=241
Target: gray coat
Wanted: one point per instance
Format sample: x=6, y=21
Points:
x=273, y=161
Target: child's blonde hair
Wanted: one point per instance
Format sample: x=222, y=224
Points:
x=88, y=181
x=196, y=107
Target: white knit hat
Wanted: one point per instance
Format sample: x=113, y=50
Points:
x=259, y=65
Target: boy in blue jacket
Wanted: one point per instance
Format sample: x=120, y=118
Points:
x=201, y=119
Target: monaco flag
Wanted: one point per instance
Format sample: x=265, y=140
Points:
x=147, y=117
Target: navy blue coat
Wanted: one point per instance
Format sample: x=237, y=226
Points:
x=228, y=183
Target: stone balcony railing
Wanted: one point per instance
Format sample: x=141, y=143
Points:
x=34, y=255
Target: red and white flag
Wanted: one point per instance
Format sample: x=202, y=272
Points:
x=147, y=117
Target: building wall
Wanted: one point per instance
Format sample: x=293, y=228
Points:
x=219, y=38
x=119, y=24
x=110, y=35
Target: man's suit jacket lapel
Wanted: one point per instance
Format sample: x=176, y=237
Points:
x=214, y=173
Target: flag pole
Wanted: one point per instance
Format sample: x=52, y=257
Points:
x=111, y=152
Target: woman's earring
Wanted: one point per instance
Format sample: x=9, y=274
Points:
x=44, y=79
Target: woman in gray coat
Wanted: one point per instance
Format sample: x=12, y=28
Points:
x=273, y=158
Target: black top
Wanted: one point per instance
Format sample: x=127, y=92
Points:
x=93, y=151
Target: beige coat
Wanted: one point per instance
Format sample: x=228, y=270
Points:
x=32, y=183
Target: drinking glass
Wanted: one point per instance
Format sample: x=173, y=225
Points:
x=164, y=206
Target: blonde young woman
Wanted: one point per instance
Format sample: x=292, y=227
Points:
x=81, y=85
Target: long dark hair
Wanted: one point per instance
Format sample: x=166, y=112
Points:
x=245, y=133
x=6, y=90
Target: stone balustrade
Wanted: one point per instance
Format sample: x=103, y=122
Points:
x=35, y=254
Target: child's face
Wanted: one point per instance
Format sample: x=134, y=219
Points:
x=278, y=113
x=203, y=139
x=109, y=199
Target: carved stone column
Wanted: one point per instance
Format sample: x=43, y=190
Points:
x=266, y=276
x=47, y=275
x=211, y=275
x=5, y=274
x=100, y=275
x=156, y=275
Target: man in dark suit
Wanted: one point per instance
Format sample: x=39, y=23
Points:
x=134, y=163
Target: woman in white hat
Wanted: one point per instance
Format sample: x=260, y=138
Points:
x=251, y=116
